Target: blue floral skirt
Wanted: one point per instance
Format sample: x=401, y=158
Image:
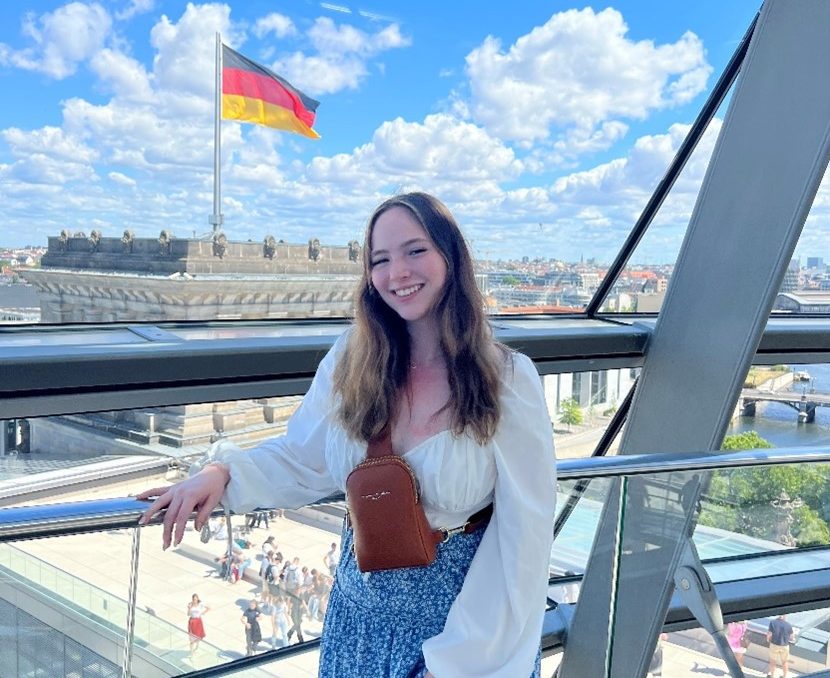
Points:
x=376, y=624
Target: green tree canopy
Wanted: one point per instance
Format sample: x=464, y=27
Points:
x=571, y=413
x=750, y=500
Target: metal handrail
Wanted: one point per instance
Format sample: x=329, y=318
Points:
x=52, y=520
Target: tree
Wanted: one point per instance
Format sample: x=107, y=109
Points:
x=749, y=500
x=571, y=413
x=748, y=440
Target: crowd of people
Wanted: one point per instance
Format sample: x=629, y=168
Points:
x=290, y=593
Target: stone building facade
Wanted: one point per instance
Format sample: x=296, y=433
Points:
x=152, y=280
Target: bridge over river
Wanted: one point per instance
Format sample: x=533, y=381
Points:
x=804, y=403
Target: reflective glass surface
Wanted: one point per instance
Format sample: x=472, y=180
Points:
x=745, y=518
x=56, y=620
x=545, y=181
x=218, y=589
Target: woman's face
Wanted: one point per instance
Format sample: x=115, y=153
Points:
x=407, y=269
x=252, y=605
x=195, y=598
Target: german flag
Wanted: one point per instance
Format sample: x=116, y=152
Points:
x=253, y=93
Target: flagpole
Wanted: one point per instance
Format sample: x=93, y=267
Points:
x=216, y=218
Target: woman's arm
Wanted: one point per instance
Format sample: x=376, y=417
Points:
x=504, y=593
x=289, y=470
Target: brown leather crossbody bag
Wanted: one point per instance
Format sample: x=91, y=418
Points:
x=385, y=512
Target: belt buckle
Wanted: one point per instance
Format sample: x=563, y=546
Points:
x=452, y=531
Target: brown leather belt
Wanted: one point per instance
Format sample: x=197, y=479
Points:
x=475, y=522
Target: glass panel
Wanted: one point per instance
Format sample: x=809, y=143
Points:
x=579, y=506
x=199, y=624
x=582, y=405
x=56, y=622
x=751, y=522
x=764, y=509
x=693, y=652
x=49, y=451
x=536, y=193
x=641, y=286
x=303, y=665
x=785, y=405
x=806, y=284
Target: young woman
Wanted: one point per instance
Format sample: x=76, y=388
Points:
x=468, y=416
x=195, y=626
x=279, y=622
x=735, y=632
x=253, y=631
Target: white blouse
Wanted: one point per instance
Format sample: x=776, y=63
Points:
x=495, y=624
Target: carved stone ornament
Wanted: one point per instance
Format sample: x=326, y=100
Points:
x=94, y=241
x=165, y=242
x=314, y=249
x=127, y=241
x=354, y=250
x=220, y=244
x=269, y=247
x=79, y=234
x=63, y=240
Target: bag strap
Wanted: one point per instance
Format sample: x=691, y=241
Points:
x=381, y=446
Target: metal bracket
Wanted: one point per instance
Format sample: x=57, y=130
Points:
x=698, y=594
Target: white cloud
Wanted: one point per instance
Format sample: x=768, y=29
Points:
x=124, y=76
x=39, y=168
x=316, y=75
x=441, y=150
x=341, y=59
x=577, y=141
x=278, y=24
x=186, y=49
x=51, y=141
x=122, y=179
x=62, y=39
x=579, y=70
x=134, y=8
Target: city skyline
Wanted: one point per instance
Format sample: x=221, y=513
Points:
x=545, y=127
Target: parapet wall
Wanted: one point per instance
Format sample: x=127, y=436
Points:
x=166, y=255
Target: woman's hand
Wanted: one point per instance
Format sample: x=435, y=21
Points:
x=200, y=493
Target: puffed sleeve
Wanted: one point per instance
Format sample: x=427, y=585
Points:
x=289, y=470
x=494, y=626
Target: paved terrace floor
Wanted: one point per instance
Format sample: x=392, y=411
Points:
x=168, y=579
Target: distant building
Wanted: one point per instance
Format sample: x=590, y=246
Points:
x=599, y=389
x=790, y=282
x=156, y=279
x=649, y=303
x=803, y=302
x=815, y=262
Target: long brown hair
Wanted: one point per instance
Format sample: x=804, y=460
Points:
x=373, y=369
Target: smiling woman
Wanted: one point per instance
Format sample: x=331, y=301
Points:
x=419, y=373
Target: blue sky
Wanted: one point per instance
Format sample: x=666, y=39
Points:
x=543, y=125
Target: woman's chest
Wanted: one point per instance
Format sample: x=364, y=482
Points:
x=453, y=472
x=421, y=414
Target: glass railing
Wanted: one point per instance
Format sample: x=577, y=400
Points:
x=741, y=543
x=71, y=596
x=80, y=565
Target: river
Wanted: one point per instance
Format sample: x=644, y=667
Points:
x=778, y=423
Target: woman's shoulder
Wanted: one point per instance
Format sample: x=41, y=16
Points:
x=516, y=367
